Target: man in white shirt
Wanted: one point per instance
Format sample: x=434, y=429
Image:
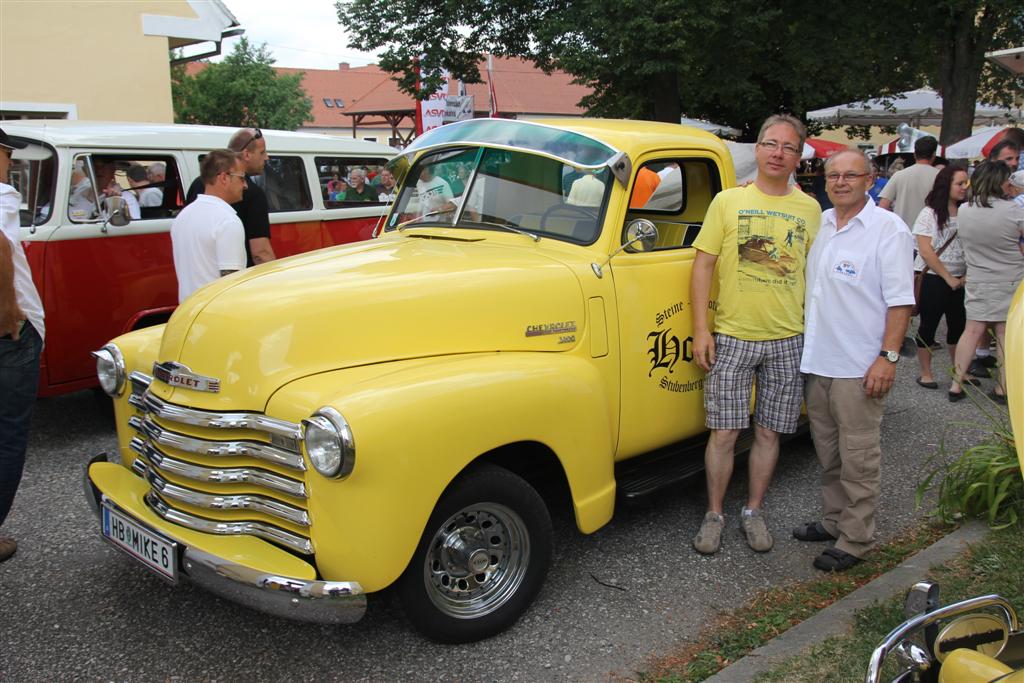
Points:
x=156, y=174
x=21, y=343
x=906, y=190
x=207, y=237
x=858, y=300
x=435, y=194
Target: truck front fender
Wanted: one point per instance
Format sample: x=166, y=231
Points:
x=417, y=424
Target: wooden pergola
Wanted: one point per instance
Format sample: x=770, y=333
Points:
x=391, y=118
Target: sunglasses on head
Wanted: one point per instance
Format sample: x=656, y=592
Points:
x=255, y=136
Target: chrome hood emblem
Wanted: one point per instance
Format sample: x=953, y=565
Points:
x=178, y=375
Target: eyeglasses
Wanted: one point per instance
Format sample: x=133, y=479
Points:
x=845, y=177
x=235, y=174
x=773, y=146
x=257, y=134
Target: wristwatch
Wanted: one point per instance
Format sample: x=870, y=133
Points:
x=891, y=356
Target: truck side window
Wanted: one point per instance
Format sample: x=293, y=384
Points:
x=150, y=185
x=675, y=195
x=284, y=181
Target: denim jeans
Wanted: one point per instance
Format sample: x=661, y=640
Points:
x=19, y=378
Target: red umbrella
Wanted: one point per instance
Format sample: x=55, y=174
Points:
x=823, y=149
x=977, y=145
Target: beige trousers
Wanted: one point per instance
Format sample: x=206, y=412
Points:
x=846, y=428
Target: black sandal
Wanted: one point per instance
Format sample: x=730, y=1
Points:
x=835, y=560
x=812, y=531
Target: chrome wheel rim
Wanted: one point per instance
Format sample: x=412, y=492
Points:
x=476, y=560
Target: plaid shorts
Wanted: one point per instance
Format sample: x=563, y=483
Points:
x=775, y=363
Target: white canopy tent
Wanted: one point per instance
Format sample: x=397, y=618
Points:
x=1012, y=60
x=713, y=128
x=922, y=107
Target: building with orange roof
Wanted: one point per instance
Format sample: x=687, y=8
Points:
x=364, y=102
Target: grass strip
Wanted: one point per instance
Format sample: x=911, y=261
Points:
x=992, y=566
x=774, y=611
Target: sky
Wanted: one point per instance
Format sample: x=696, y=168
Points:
x=299, y=33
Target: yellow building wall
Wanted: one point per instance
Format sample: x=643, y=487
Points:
x=90, y=54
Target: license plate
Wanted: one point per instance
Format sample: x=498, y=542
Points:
x=155, y=552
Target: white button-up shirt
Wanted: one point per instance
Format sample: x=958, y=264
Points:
x=854, y=275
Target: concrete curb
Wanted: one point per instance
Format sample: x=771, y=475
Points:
x=837, y=618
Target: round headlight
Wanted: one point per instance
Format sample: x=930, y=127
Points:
x=329, y=443
x=110, y=369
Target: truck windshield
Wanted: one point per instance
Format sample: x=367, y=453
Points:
x=503, y=189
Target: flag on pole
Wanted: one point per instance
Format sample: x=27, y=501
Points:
x=490, y=86
x=419, y=109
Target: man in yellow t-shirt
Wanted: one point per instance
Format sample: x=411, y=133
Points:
x=758, y=236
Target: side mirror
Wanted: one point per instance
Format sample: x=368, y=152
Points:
x=922, y=598
x=641, y=236
x=115, y=210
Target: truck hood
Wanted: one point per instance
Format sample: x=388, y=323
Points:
x=371, y=302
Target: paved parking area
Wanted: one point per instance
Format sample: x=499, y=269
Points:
x=73, y=608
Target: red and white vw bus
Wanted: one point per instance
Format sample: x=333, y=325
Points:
x=99, y=277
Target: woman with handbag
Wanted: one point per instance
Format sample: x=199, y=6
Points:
x=991, y=226
x=940, y=268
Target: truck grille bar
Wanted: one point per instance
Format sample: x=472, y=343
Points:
x=253, y=449
x=171, y=454
x=225, y=475
x=211, y=526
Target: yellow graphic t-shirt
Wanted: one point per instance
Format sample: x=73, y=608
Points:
x=761, y=242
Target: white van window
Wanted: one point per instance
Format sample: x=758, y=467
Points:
x=337, y=184
x=284, y=181
x=34, y=178
x=150, y=185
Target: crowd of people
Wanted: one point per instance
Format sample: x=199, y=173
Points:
x=838, y=351
x=360, y=184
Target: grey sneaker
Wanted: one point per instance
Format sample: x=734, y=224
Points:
x=709, y=537
x=753, y=525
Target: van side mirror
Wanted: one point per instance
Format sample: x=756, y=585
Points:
x=115, y=212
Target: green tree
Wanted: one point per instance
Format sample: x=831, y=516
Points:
x=242, y=90
x=732, y=61
x=958, y=33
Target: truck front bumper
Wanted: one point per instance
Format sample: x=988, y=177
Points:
x=240, y=569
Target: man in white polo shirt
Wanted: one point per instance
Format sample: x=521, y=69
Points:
x=207, y=237
x=859, y=296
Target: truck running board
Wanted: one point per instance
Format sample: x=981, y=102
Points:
x=645, y=474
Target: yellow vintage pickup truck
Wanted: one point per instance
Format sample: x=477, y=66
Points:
x=407, y=409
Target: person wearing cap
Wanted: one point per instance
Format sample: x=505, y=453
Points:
x=251, y=147
x=1017, y=187
x=141, y=181
x=21, y=343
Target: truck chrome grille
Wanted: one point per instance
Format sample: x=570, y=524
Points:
x=207, y=483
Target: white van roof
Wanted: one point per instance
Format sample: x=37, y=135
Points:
x=122, y=135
